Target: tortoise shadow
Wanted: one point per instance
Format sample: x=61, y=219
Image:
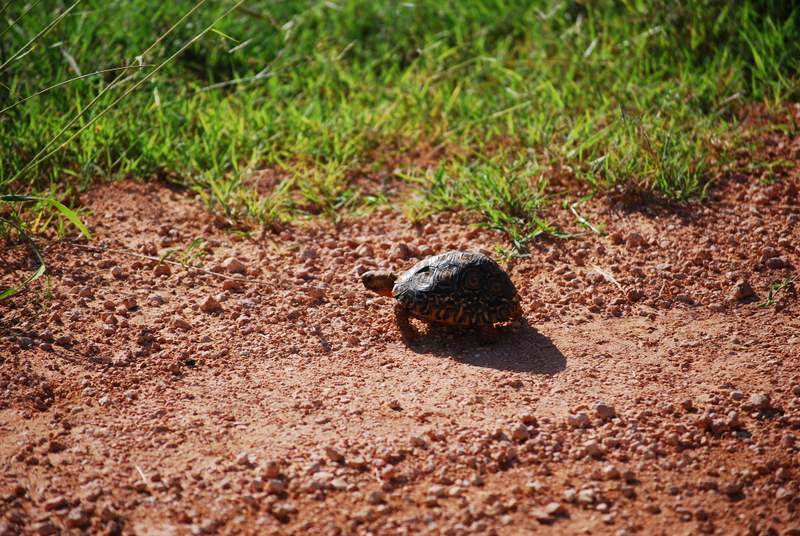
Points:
x=518, y=349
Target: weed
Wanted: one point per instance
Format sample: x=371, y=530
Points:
x=507, y=199
x=774, y=288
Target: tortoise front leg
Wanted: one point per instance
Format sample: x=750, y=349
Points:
x=405, y=327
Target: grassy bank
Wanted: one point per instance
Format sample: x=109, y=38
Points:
x=629, y=96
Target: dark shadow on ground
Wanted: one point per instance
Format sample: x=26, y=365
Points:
x=518, y=349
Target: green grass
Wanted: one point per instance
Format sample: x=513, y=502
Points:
x=628, y=94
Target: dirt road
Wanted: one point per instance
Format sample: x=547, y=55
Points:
x=647, y=394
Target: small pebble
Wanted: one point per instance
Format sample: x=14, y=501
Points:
x=742, y=290
x=376, y=497
x=760, y=401
x=118, y=273
x=210, y=305
x=605, y=411
x=78, y=518
x=232, y=265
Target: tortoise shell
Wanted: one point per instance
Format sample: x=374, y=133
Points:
x=458, y=288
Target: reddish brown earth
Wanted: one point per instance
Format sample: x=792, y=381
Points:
x=295, y=408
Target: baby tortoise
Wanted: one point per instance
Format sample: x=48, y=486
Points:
x=457, y=288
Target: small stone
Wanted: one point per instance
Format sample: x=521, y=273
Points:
x=244, y=459
x=737, y=395
x=314, y=295
x=733, y=421
x=56, y=503
x=578, y=420
x=605, y=411
x=534, y=487
x=652, y=508
x=742, y=290
x=768, y=253
x=663, y=267
x=365, y=250
x=232, y=265
x=108, y=514
x=232, y=285
x=555, y=508
x=181, y=324
x=540, y=515
x=45, y=528
x=528, y=418
x=586, y=496
x=376, y=497
x=93, y=493
x=276, y=486
x=357, y=462
x=271, y=470
x=210, y=305
x=687, y=404
x=570, y=495
x=78, y=518
x=334, y=455
x=760, y=401
x=593, y=448
x=635, y=240
x=610, y=472
x=162, y=269
x=321, y=480
x=520, y=433
x=732, y=489
x=777, y=263
x=418, y=441
x=437, y=490
x=118, y=273
x=86, y=292
x=210, y=526
x=400, y=251
x=56, y=446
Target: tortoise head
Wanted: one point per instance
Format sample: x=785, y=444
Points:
x=379, y=281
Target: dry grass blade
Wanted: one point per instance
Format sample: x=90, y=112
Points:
x=71, y=80
x=38, y=160
x=42, y=32
x=608, y=276
x=11, y=291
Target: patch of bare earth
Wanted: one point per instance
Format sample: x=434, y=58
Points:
x=650, y=393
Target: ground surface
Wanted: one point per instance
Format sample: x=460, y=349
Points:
x=127, y=403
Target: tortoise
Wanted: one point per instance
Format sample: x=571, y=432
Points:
x=457, y=288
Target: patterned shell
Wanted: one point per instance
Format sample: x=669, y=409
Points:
x=458, y=288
